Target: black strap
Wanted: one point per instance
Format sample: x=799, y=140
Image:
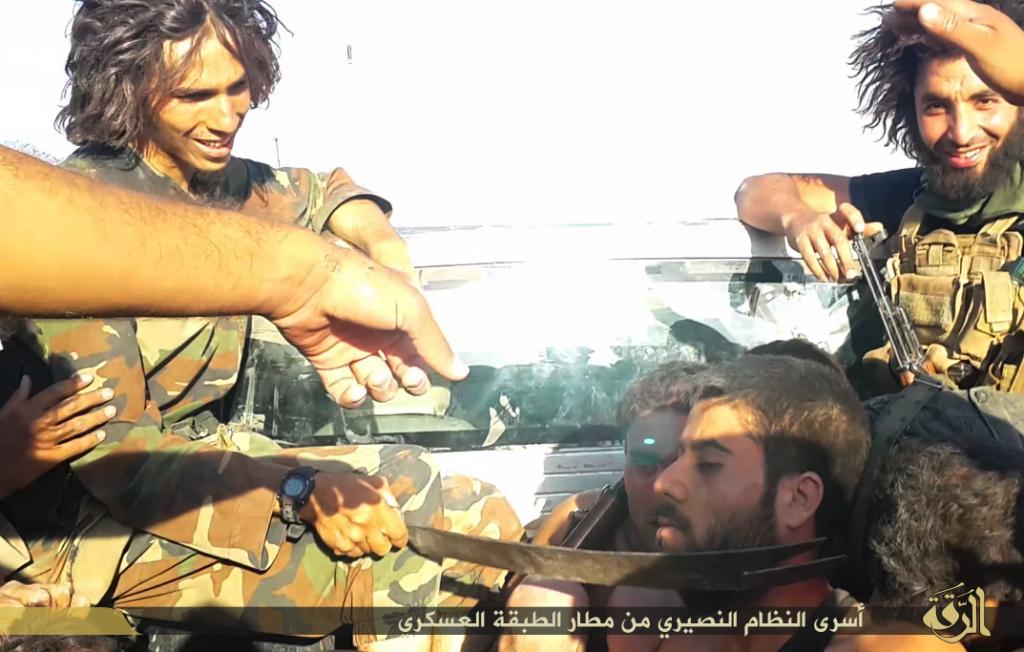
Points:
x=891, y=423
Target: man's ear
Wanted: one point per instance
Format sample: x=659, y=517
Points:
x=798, y=498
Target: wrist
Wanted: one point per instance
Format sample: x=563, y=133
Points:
x=298, y=268
x=789, y=219
x=294, y=494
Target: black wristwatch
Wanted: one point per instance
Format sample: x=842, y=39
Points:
x=294, y=493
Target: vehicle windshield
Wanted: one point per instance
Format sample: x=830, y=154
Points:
x=552, y=348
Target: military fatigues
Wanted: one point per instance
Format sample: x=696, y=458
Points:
x=188, y=512
x=961, y=299
x=952, y=269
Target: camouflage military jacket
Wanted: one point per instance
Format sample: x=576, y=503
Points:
x=148, y=475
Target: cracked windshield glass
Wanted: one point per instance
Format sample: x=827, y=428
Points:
x=552, y=348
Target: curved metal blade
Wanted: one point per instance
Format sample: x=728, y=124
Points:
x=701, y=571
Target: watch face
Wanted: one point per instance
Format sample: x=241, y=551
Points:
x=293, y=486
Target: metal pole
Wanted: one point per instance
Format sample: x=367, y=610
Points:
x=277, y=149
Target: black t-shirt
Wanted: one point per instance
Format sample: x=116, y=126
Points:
x=885, y=196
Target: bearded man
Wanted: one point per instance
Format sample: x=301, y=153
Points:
x=771, y=453
x=954, y=219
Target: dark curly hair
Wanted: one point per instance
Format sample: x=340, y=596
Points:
x=802, y=349
x=116, y=65
x=668, y=386
x=807, y=417
x=885, y=64
x=939, y=503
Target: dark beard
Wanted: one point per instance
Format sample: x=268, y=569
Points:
x=751, y=529
x=965, y=187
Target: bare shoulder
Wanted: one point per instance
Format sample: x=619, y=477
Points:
x=556, y=526
x=823, y=192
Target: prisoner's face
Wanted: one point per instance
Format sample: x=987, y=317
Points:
x=652, y=444
x=714, y=493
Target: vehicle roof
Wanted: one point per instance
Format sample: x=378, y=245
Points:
x=711, y=238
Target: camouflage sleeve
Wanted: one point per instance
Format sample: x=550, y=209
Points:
x=301, y=196
x=216, y=501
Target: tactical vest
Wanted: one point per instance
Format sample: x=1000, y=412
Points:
x=960, y=299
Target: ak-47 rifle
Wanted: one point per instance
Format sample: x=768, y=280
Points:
x=598, y=523
x=907, y=354
x=595, y=528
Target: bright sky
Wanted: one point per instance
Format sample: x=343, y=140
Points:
x=543, y=111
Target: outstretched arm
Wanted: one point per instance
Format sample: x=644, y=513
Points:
x=71, y=245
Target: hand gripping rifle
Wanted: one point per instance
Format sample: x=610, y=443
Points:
x=594, y=529
x=907, y=354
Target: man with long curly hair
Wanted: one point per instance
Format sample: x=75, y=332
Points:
x=954, y=218
x=176, y=511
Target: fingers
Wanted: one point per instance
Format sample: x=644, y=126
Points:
x=373, y=373
x=342, y=387
x=79, y=403
x=378, y=528
x=823, y=247
x=408, y=371
x=850, y=218
x=78, y=446
x=392, y=525
x=426, y=338
x=966, y=25
x=334, y=534
x=810, y=258
x=838, y=240
x=36, y=595
x=908, y=5
x=376, y=542
x=57, y=392
x=848, y=221
x=366, y=533
x=953, y=25
x=871, y=228
x=356, y=515
x=80, y=425
x=904, y=17
x=59, y=595
x=816, y=245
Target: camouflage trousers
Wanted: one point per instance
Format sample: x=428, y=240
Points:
x=306, y=589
